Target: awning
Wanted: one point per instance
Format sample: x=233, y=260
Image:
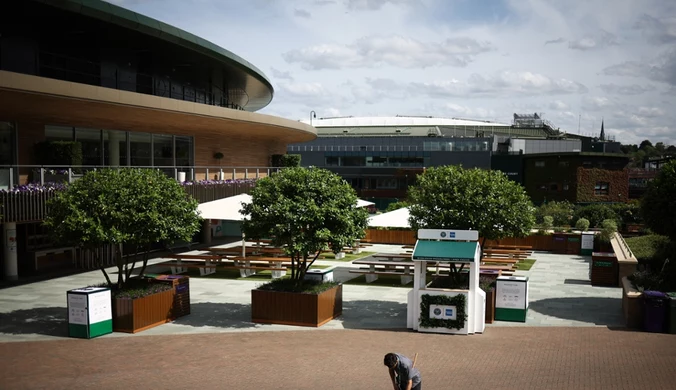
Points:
x=448, y=251
x=364, y=203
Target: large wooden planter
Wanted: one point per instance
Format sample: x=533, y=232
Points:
x=135, y=315
x=274, y=307
x=632, y=305
x=490, y=306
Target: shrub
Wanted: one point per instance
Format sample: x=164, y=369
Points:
x=596, y=214
x=608, y=227
x=582, y=224
x=547, y=222
x=645, y=248
x=285, y=160
x=562, y=212
x=396, y=206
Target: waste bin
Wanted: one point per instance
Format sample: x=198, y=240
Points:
x=89, y=312
x=672, y=313
x=655, y=306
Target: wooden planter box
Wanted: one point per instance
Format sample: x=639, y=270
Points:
x=135, y=315
x=490, y=306
x=274, y=307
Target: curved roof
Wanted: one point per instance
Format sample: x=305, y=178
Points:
x=123, y=17
x=378, y=121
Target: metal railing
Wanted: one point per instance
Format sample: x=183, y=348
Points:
x=42, y=174
x=382, y=148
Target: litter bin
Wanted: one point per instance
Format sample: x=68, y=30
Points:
x=672, y=313
x=89, y=312
x=655, y=311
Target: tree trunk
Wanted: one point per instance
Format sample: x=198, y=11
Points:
x=146, y=254
x=120, y=266
x=99, y=261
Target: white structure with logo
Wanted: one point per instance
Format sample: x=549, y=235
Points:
x=459, y=247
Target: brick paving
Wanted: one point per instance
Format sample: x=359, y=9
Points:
x=502, y=358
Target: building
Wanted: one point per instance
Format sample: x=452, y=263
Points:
x=117, y=88
x=581, y=177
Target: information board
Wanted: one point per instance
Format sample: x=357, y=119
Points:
x=511, y=294
x=77, y=309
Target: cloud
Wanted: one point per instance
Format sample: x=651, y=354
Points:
x=372, y=5
x=558, y=105
x=458, y=110
x=632, y=89
x=596, y=103
x=281, y=74
x=657, y=30
x=650, y=112
x=324, y=2
x=554, y=41
x=301, y=13
x=662, y=68
x=597, y=41
x=395, y=50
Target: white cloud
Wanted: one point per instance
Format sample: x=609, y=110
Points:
x=632, y=89
x=394, y=50
x=597, y=41
x=301, y=13
x=283, y=75
x=558, y=105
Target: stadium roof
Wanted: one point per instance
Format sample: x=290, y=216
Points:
x=380, y=121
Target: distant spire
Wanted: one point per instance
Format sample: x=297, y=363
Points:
x=603, y=132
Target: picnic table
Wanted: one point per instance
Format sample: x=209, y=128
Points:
x=392, y=256
x=205, y=262
x=276, y=265
x=375, y=267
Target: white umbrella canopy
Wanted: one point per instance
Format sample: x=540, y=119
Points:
x=224, y=209
x=364, y=203
x=228, y=208
x=397, y=218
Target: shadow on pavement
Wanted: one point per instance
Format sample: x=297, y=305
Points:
x=371, y=314
x=50, y=321
x=594, y=310
x=222, y=315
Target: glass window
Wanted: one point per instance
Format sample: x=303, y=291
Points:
x=58, y=133
x=140, y=148
x=386, y=183
x=601, y=188
x=332, y=161
x=540, y=164
x=184, y=155
x=163, y=150
x=8, y=155
x=90, y=139
x=115, y=148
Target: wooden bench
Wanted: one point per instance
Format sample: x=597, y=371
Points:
x=402, y=268
x=274, y=262
x=206, y=268
x=521, y=247
x=178, y=267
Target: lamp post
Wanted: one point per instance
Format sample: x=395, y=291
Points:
x=312, y=115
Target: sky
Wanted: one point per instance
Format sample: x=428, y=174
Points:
x=575, y=62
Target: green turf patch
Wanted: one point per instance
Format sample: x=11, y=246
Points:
x=385, y=281
x=348, y=256
x=525, y=265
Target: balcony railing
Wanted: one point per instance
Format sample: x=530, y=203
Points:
x=28, y=202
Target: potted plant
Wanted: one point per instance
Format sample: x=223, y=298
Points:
x=305, y=210
x=112, y=209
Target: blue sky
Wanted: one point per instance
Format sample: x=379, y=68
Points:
x=575, y=62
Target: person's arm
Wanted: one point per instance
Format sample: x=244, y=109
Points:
x=410, y=384
x=394, y=384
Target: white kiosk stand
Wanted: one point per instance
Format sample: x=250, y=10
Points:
x=440, y=310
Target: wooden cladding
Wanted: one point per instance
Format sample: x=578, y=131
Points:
x=403, y=237
x=285, y=308
x=135, y=315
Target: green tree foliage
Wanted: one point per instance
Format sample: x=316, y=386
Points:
x=658, y=205
x=451, y=197
x=596, y=214
x=396, y=206
x=608, y=227
x=305, y=210
x=562, y=212
x=132, y=207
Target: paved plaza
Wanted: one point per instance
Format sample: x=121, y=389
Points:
x=573, y=338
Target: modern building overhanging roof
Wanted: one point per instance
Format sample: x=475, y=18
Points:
x=122, y=17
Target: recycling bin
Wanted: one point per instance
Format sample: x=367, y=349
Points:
x=655, y=306
x=671, y=322
x=90, y=312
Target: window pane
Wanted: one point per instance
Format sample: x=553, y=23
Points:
x=184, y=157
x=139, y=144
x=90, y=139
x=58, y=133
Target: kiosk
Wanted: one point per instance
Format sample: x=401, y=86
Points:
x=442, y=310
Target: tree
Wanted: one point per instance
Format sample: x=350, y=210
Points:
x=133, y=207
x=562, y=212
x=304, y=210
x=660, y=147
x=396, y=206
x=451, y=197
x=644, y=144
x=658, y=205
